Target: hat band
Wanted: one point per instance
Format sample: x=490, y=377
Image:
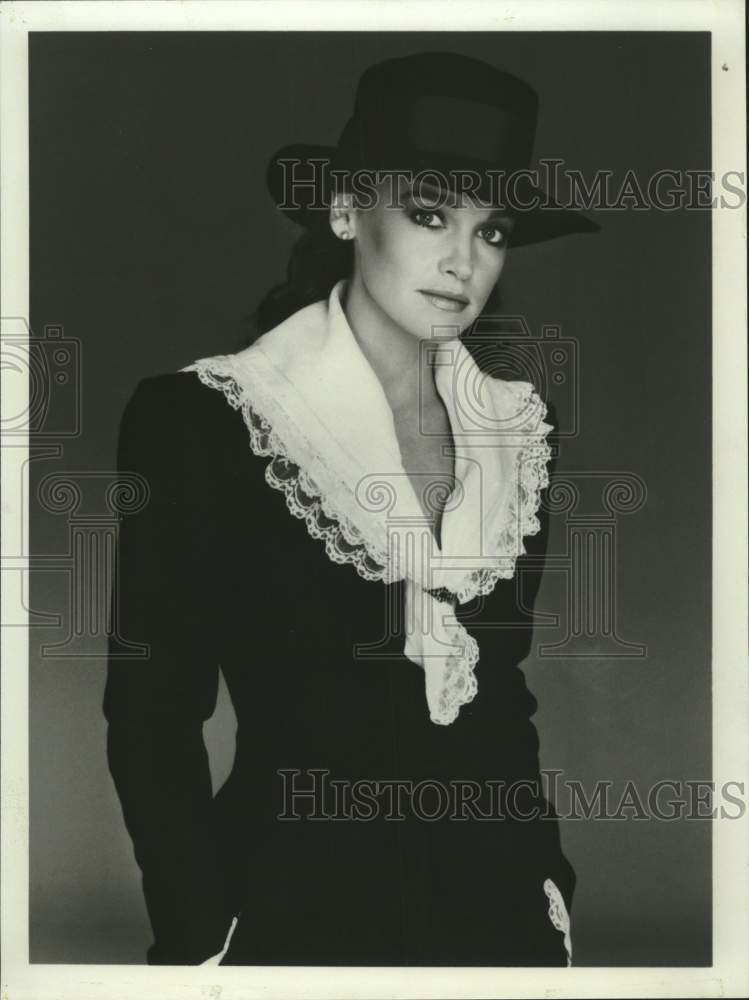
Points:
x=447, y=128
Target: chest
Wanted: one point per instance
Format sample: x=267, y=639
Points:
x=426, y=445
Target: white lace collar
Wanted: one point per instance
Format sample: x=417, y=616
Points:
x=313, y=404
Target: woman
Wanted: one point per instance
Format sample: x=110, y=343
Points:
x=384, y=807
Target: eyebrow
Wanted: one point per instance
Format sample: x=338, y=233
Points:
x=431, y=191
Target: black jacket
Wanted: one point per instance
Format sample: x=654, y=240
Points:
x=215, y=572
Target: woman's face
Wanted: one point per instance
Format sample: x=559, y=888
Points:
x=427, y=261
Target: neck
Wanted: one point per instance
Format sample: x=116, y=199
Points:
x=394, y=354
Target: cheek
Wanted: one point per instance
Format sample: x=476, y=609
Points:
x=387, y=249
x=486, y=277
x=490, y=268
x=376, y=241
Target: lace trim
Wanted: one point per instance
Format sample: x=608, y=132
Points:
x=532, y=476
x=459, y=684
x=559, y=916
x=344, y=543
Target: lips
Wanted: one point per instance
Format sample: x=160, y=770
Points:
x=446, y=301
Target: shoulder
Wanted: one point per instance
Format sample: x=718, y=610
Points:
x=182, y=388
x=177, y=395
x=177, y=410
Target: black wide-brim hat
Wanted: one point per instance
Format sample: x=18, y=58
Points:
x=449, y=120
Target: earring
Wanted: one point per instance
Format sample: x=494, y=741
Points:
x=345, y=235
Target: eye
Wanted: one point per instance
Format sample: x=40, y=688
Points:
x=426, y=218
x=494, y=236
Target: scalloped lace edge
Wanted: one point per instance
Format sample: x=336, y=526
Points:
x=459, y=684
x=558, y=915
x=343, y=541
x=532, y=465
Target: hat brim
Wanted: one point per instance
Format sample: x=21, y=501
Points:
x=307, y=204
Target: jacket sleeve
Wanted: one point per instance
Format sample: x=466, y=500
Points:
x=163, y=597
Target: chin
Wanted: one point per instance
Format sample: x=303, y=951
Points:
x=426, y=325
x=450, y=326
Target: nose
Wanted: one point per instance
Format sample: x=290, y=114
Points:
x=457, y=261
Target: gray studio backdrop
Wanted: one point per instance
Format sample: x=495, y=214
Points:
x=152, y=236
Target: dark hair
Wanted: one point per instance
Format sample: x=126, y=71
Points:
x=318, y=260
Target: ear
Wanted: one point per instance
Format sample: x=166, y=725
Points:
x=343, y=216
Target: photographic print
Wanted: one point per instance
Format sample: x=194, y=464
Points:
x=371, y=432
